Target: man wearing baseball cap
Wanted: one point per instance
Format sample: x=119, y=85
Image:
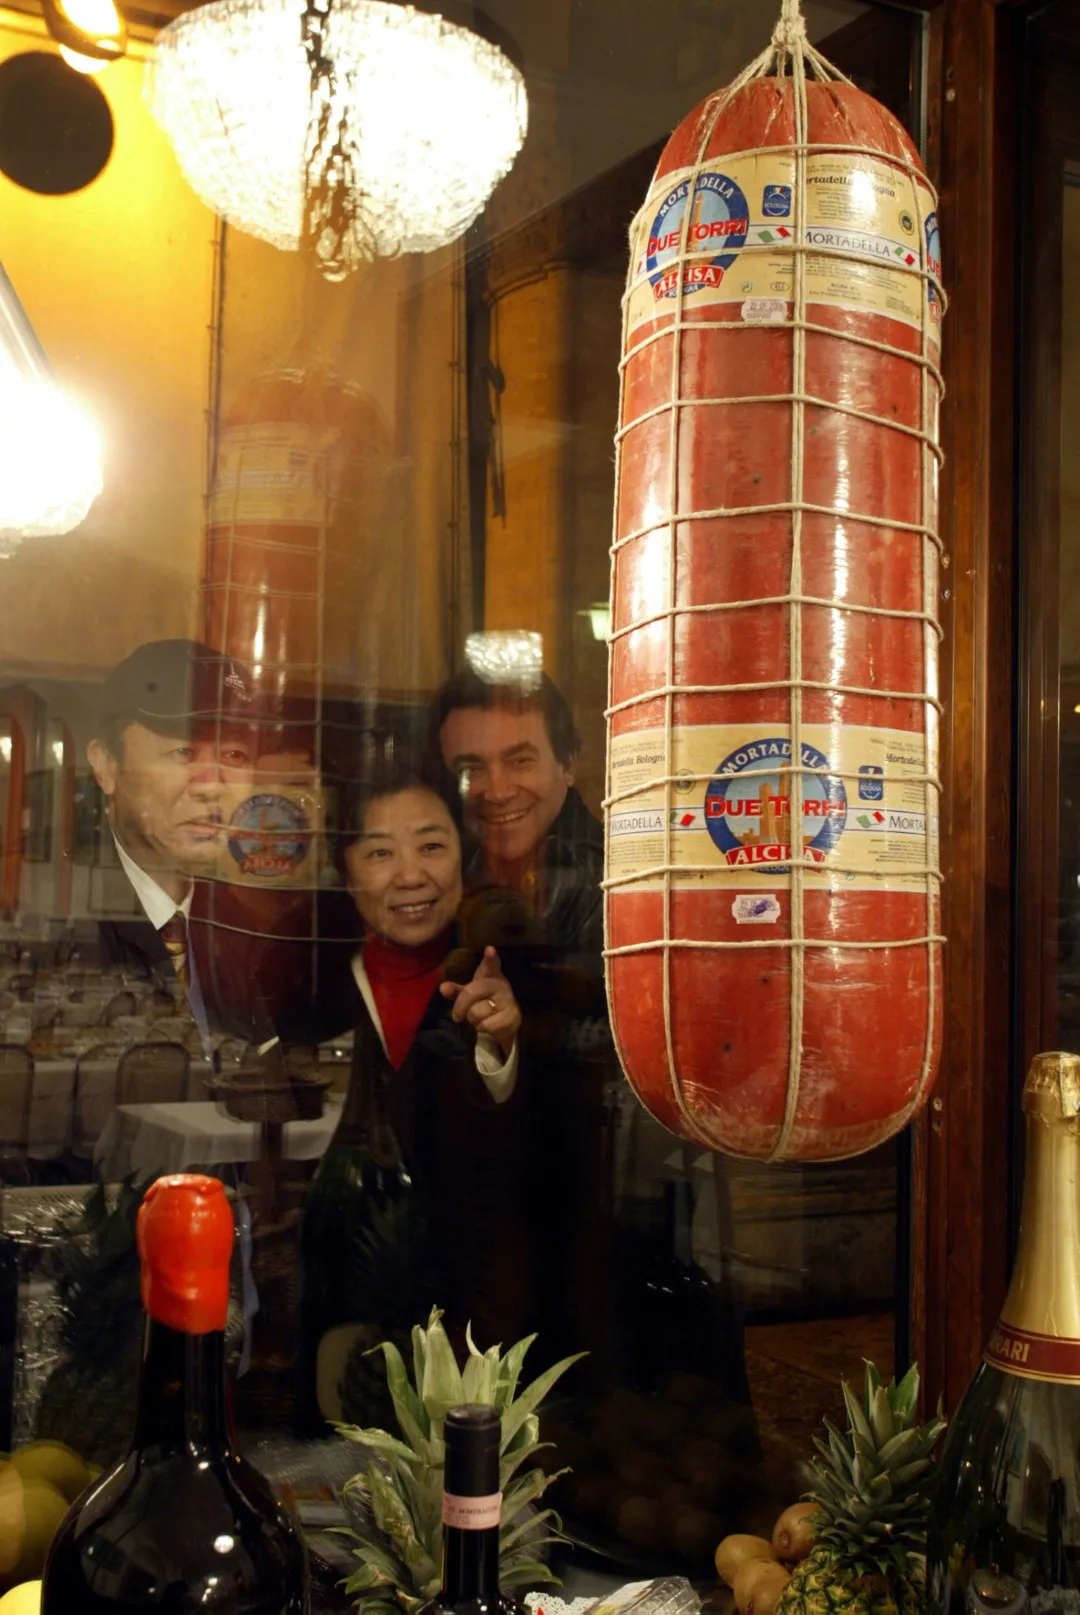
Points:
x=177, y=727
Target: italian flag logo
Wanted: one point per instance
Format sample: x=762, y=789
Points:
x=870, y=820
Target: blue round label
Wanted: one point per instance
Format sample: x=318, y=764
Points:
x=719, y=216
x=269, y=836
x=750, y=818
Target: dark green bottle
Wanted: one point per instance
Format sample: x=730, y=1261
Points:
x=364, y=1259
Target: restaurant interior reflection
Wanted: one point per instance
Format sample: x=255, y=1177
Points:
x=331, y=511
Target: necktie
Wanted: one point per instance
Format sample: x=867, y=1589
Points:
x=174, y=934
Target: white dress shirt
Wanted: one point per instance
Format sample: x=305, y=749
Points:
x=157, y=905
x=159, y=909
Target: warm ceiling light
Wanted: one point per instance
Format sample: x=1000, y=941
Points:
x=377, y=130
x=86, y=31
x=50, y=456
x=82, y=64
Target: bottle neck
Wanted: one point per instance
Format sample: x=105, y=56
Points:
x=1038, y=1335
x=366, y=1121
x=470, y=1567
x=182, y=1401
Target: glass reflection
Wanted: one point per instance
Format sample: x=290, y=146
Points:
x=298, y=891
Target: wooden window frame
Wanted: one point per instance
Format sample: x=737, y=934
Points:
x=962, y=1144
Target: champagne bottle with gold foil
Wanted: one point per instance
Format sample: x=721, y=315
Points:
x=1005, y=1529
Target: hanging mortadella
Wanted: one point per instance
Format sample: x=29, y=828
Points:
x=772, y=881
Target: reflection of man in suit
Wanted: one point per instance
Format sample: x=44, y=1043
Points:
x=176, y=729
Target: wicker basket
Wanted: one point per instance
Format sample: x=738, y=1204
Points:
x=253, y=1094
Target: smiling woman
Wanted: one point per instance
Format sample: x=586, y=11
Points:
x=432, y=1056
x=405, y=866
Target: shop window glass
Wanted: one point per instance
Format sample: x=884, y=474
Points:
x=248, y=738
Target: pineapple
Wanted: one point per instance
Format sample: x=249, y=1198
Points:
x=401, y=1488
x=872, y=1488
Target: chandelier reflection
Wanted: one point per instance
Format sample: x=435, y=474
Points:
x=507, y=656
x=366, y=126
x=50, y=455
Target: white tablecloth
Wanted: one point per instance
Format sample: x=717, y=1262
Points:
x=148, y=1139
x=54, y=1126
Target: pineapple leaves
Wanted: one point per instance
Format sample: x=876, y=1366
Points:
x=872, y=1487
x=523, y=1490
x=442, y=1388
x=881, y=1417
x=528, y=1528
x=412, y=1416
x=402, y=1485
x=861, y=1432
x=378, y=1441
x=906, y=1395
x=515, y=1415
x=524, y=1572
x=512, y=1461
x=419, y=1345
x=381, y=1566
x=480, y=1374
x=510, y=1373
x=394, y=1520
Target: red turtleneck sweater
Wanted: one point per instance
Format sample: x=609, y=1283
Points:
x=403, y=981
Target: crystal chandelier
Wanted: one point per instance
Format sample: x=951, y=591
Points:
x=366, y=126
x=50, y=456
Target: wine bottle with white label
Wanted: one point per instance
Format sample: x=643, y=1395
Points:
x=1005, y=1529
x=472, y=1507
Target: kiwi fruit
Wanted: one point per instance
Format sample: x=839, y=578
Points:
x=735, y=1551
x=793, y=1535
x=758, y=1587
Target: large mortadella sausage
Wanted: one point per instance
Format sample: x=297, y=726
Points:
x=704, y=808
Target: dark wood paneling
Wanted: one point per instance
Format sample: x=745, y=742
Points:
x=960, y=1151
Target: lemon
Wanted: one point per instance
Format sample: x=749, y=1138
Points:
x=24, y=1600
x=43, y=1507
x=53, y=1462
x=12, y=1520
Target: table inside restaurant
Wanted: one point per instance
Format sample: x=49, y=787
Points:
x=147, y=1139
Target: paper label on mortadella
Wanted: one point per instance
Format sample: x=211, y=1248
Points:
x=866, y=817
x=875, y=227
x=272, y=472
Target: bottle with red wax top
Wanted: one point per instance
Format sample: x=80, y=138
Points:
x=182, y=1523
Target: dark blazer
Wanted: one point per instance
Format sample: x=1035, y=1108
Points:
x=258, y=956
x=467, y=1157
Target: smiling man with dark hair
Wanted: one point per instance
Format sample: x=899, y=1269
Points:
x=514, y=754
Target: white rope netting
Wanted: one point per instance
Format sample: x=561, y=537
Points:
x=792, y=60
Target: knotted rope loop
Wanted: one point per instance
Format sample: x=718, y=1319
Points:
x=790, y=30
